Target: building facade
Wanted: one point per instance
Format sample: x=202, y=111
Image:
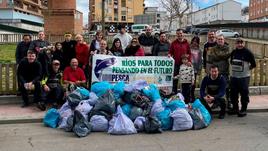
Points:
x=258, y=10
x=25, y=14
x=226, y=12
x=116, y=12
x=151, y=16
x=62, y=17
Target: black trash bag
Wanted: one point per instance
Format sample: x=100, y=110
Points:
x=69, y=124
x=74, y=98
x=105, y=106
x=198, y=120
x=135, y=112
x=152, y=125
x=81, y=125
x=137, y=99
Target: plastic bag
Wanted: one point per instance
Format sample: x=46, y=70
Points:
x=99, y=123
x=69, y=124
x=92, y=99
x=137, y=98
x=100, y=88
x=175, y=104
x=121, y=124
x=74, y=98
x=64, y=115
x=152, y=92
x=181, y=120
x=84, y=108
x=135, y=112
x=64, y=107
x=136, y=85
x=198, y=120
x=139, y=123
x=157, y=107
x=152, y=125
x=105, y=105
x=165, y=119
x=206, y=115
x=127, y=109
x=84, y=93
x=52, y=118
x=81, y=126
x=118, y=90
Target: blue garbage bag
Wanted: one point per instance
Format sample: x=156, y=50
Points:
x=84, y=93
x=127, y=109
x=152, y=92
x=165, y=119
x=101, y=88
x=52, y=118
x=173, y=105
x=118, y=90
x=206, y=115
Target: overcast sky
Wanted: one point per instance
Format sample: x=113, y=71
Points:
x=82, y=5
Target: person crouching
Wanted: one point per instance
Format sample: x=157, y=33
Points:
x=52, y=90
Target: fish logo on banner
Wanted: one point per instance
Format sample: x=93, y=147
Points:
x=103, y=64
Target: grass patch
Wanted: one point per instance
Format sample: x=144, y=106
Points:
x=7, y=53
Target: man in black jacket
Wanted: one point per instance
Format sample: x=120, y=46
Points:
x=40, y=43
x=147, y=41
x=68, y=48
x=22, y=48
x=52, y=90
x=29, y=75
x=242, y=61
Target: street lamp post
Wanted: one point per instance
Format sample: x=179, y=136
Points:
x=102, y=16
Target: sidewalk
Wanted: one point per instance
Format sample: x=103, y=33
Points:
x=13, y=113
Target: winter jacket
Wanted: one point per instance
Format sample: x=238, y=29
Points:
x=219, y=55
x=177, y=49
x=242, y=61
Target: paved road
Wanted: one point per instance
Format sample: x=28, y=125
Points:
x=231, y=134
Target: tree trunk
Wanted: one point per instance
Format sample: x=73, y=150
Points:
x=170, y=23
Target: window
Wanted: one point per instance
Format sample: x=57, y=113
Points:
x=110, y=2
x=123, y=3
x=158, y=15
x=1, y=1
x=123, y=18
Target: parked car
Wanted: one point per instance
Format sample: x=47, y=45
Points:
x=155, y=32
x=203, y=31
x=227, y=33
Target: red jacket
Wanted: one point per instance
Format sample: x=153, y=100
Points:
x=73, y=75
x=82, y=53
x=177, y=49
x=140, y=52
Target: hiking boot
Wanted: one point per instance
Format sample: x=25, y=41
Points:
x=242, y=114
x=41, y=106
x=221, y=116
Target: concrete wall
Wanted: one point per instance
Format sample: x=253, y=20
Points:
x=231, y=11
x=11, y=14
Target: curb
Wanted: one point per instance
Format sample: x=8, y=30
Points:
x=40, y=120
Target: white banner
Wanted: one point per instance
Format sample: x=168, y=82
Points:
x=153, y=69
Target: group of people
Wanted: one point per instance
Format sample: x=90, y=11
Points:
x=45, y=69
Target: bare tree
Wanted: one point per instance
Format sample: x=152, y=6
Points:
x=176, y=9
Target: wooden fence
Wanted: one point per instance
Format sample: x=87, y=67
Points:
x=8, y=82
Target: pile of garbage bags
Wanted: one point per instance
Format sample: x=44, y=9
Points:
x=122, y=109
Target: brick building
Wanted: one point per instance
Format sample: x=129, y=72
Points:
x=116, y=12
x=258, y=10
x=61, y=17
